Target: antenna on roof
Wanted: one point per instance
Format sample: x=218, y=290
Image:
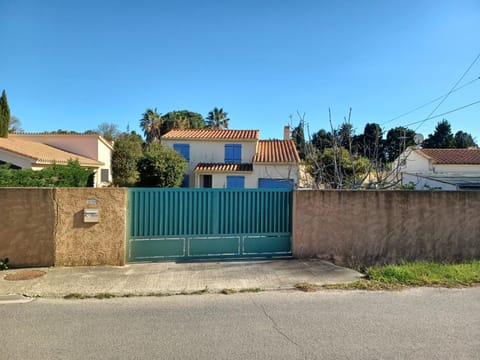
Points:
x=418, y=139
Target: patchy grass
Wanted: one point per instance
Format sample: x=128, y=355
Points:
x=397, y=277
x=74, y=296
x=427, y=274
x=104, y=296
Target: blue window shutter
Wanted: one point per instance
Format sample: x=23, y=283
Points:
x=185, y=181
x=235, y=182
x=183, y=149
x=275, y=183
x=233, y=153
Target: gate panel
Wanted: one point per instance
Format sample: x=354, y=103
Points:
x=171, y=224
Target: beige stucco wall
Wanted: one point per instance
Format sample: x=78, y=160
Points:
x=45, y=227
x=79, y=243
x=27, y=226
x=371, y=227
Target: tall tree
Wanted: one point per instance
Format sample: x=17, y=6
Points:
x=127, y=150
x=464, y=140
x=15, y=125
x=398, y=139
x=298, y=137
x=217, y=119
x=372, y=142
x=442, y=137
x=4, y=115
x=108, y=130
x=151, y=124
x=182, y=119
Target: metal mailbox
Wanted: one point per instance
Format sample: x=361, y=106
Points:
x=91, y=215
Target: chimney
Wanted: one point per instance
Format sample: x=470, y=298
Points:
x=286, y=132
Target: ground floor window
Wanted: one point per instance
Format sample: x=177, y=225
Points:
x=235, y=182
x=207, y=181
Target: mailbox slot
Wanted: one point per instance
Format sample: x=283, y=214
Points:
x=91, y=215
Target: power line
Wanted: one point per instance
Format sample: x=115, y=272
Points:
x=451, y=90
x=443, y=114
x=428, y=103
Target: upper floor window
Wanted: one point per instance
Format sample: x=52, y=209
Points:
x=233, y=153
x=183, y=149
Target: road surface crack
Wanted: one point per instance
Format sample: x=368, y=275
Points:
x=276, y=327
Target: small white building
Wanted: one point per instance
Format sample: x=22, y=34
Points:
x=439, y=169
x=36, y=151
x=235, y=158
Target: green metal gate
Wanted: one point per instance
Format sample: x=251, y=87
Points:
x=173, y=224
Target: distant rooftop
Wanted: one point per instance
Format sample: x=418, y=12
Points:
x=452, y=156
x=42, y=153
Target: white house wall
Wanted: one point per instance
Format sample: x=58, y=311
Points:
x=456, y=168
x=276, y=171
x=422, y=183
x=211, y=152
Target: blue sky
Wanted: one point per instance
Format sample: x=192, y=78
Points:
x=75, y=64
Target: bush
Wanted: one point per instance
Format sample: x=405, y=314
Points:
x=4, y=264
x=70, y=175
x=161, y=167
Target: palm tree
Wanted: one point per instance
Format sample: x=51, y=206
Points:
x=151, y=124
x=217, y=119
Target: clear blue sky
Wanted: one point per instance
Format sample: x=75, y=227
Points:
x=75, y=64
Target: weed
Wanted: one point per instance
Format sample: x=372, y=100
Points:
x=104, y=296
x=4, y=264
x=307, y=287
x=250, y=290
x=74, y=296
x=228, y=291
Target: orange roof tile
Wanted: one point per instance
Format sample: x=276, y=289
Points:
x=223, y=167
x=43, y=154
x=276, y=151
x=211, y=134
x=452, y=156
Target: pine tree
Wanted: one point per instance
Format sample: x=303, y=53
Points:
x=4, y=115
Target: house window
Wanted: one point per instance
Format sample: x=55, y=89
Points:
x=233, y=153
x=185, y=181
x=183, y=149
x=207, y=181
x=104, y=175
x=235, y=182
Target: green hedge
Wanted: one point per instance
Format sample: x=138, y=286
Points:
x=70, y=175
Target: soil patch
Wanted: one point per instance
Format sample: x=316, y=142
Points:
x=24, y=275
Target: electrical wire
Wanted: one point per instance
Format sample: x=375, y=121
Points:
x=448, y=94
x=442, y=114
x=428, y=103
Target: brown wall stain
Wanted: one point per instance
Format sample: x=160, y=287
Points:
x=378, y=227
x=27, y=221
x=79, y=243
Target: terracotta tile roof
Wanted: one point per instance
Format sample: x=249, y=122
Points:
x=223, y=167
x=43, y=154
x=31, y=136
x=276, y=151
x=211, y=134
x=452, y=156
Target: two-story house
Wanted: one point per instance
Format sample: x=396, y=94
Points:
x=439, y=169
x=234, y=159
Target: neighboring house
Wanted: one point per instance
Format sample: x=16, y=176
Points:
x=442, y=169
x=235, y=158
x=36, y=151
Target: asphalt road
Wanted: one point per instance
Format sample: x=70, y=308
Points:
x=412, y=324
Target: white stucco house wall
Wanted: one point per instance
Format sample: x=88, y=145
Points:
x=234, y=159
x=36, y=151
x=439, y=169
